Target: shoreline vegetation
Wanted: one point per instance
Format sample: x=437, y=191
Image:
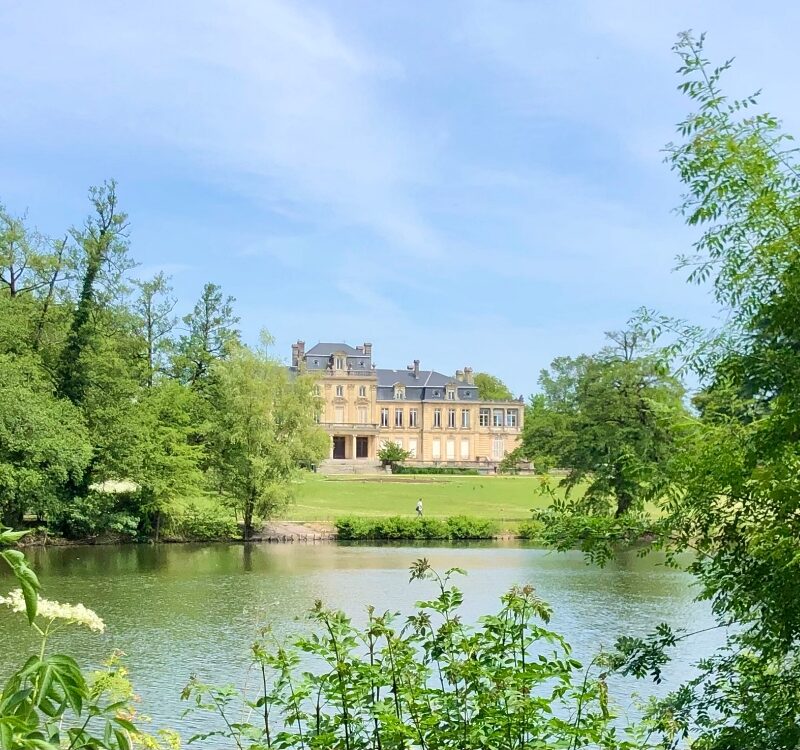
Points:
x=345, y=529
x=357, y=508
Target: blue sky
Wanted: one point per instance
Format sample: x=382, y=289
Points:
x=466, y=183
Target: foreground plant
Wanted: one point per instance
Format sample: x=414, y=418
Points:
x=49, y=703
x=427, y=681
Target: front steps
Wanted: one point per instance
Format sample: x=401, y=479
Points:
x=331, y=466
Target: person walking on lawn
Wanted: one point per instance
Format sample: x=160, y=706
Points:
x=419, y=508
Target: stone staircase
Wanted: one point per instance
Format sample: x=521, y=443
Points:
x=331, y=466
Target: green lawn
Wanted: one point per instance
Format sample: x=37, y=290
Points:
x=505, y=499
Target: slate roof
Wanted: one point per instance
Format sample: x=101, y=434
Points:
x=325, y=350
x=429, y=385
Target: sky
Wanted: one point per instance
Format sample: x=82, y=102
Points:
x=465, y=183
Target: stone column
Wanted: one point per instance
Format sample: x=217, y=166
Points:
x=354, y=447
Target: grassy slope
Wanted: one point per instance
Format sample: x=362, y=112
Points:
x=500, y=498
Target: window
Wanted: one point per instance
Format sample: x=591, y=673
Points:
x=498, y=448
x=465, y=449
x=451, y=394
x=511, y=417
x=412, y=448
x=340, y=391
x=437, y=417
x=412, y=418
x=399, y=392
x=436, y=449
x=317, y=390
x=362, y=414
x=362, y=391
x=398, y=417
x=497, y=418
x=451, y=418
x=340, y=363
x=451, y=449
x=483, y=418
x=338, y=415
x=465, y=417
x=384, y=417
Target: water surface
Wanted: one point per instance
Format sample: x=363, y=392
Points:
x=175, y=610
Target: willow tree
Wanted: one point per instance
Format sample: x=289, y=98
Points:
x=264, y=429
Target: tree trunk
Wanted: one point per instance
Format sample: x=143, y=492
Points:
x=248, y=519
x=624, y=502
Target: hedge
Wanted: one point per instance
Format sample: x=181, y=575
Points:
x=402, y=527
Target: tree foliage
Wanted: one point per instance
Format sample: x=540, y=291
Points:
x=732, y=489
x=264, y=428
x=392, y=453
x=491, y=388
x=98, y=384
x=608, y=420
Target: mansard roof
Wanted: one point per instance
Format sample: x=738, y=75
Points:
x=326, y=349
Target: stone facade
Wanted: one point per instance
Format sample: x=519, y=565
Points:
x=439, y=418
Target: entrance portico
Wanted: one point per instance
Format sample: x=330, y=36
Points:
x=345, y=447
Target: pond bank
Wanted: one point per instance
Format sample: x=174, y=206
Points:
x=271, y=532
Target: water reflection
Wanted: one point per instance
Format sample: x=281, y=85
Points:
x=183, y=609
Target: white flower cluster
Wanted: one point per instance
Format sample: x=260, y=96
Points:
x=51, y=610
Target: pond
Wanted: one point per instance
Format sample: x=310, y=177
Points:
x=175, y=610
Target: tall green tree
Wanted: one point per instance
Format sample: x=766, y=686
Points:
x=264, y=429
x=103, y=243
x=168, y=462
x=611, y=422
x=211, y=334
x=155, y=322
x=491, y=388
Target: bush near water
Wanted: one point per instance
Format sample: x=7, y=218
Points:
x=401, y=527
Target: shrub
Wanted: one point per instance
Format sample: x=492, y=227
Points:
x=202, y=524
x=530, y=530
x=97, y=513
x=392, y=454
x=403, y=527
x=469, y=527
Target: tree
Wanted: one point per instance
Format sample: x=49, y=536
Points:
x=608, y=420
x=168, y=461
x=103, y=241
x=210, y=336
x=264, y=427
x=491, y=388
x=43, y=442
x=736, y=487
x=154, y=312
x=392, y=453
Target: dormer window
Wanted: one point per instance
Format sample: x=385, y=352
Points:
x=340, y=363
x=399, y=393
x=451, y=394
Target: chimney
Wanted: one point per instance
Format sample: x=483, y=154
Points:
x=298, y=353
x=416, y=369
x=367, y=350
x=468, y=376
x=459, y=376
